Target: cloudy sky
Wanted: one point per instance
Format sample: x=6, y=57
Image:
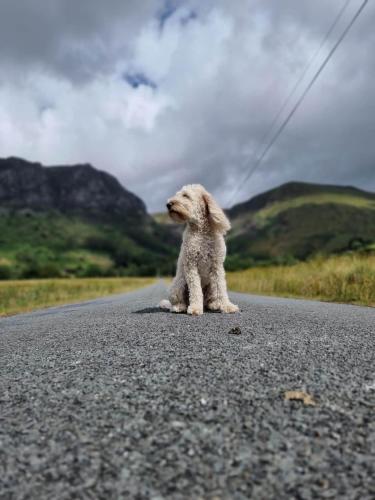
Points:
x=162, y=93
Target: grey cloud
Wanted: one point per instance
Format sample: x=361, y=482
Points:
x=212, y=132
x=77, y=39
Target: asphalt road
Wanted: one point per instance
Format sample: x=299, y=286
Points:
x=116, y=399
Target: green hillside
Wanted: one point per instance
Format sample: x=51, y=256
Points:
x=76, y=221
x=52, y=244
x=297, y=220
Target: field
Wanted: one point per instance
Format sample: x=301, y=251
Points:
x=347, y=279
x=27, y=295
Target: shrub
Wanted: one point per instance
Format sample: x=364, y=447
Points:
x=41, y=270
x=5, y=272
x=100, y=244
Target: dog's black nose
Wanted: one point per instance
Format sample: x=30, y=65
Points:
x=169, y=205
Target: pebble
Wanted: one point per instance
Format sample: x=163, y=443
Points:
x=235, y=331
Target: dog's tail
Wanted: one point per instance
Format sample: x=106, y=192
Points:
x=165, y=304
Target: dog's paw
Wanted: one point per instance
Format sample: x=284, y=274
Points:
x=195, y=310
x=229, y=308
x=165, y=304
x=178, y=308
x=214, y=306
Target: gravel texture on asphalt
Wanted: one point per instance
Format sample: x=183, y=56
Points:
x=114, y=398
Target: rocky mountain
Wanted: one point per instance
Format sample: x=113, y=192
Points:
x=68, y=189
x=76, y=220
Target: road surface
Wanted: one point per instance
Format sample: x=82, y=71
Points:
x=114, y=398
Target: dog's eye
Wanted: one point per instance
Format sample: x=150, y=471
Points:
x=185, y=195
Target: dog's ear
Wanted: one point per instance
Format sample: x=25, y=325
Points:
x=215, y=214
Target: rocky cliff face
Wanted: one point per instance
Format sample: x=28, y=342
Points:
x=68, y=189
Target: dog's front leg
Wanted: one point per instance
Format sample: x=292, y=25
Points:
x=177, y=294
x=219, y=300
x=193, y=281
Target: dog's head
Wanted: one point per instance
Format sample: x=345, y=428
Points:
x=194, y=205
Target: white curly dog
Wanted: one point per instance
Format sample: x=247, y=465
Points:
x=200, y=277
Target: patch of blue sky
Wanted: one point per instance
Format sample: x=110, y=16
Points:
x=188, y=17
x=45, y=106
x=138, y=79
x=168, y=10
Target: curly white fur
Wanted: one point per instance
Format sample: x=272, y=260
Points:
x=200, y=278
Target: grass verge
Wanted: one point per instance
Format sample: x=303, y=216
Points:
x=27, y=295
x=347, y=279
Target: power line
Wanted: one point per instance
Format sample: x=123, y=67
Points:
x=302, y=97
x=299, y=80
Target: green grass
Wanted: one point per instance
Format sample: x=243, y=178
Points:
x=347, y=279
x=28, y=295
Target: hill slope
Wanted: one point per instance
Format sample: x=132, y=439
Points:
x=75, y=220
x=298, y=220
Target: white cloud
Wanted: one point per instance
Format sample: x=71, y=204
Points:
x=220, y=76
